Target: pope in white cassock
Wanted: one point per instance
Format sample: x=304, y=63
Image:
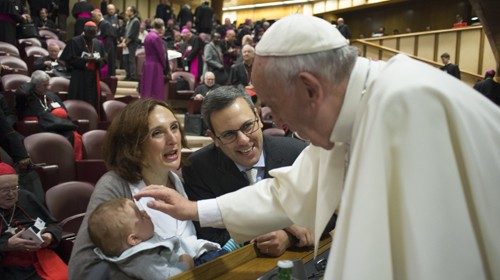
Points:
x=419, y=149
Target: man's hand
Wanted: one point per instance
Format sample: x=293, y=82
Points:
x=187, y=260
x=171, y=202
x=198, y=97
x=24, y=164
x=47, y=239
x=273, y=244
x=16, y=243
x=302, y=234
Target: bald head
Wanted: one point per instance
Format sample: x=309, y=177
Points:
x=111, y=9
x=53, y=50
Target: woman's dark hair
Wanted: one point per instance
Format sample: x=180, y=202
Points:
x=124, y=144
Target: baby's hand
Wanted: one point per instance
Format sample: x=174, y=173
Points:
x=187, y=260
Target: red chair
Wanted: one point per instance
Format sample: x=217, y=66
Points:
x=112, y=108
x=60, y=43
x=82, y=113
x=67, y=202
x=93, y=142
x=59, y=86
x=140, y=57
x=47, y=34
x=29, y=42
x=17, y=64
x=173, y=93
x=55, y=155
x=9, y=49
x=92, y=166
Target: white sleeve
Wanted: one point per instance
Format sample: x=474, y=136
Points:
x=209, y=213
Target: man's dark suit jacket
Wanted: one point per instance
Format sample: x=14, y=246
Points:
x=452, y=69
x=209, y=173
x=238, y=75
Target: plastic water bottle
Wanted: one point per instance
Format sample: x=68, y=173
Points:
x=285, y=268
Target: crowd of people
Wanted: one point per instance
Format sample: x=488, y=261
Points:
x=386, y=153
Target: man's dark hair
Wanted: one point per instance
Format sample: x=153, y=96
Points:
x=445, y=55
x=220, y=98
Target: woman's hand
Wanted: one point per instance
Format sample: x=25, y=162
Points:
x=170, y=202
x=16, y=243
x=47, y=239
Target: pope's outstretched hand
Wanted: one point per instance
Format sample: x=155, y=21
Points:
x=170, y=202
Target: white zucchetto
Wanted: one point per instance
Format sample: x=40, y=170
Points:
x=299, y=34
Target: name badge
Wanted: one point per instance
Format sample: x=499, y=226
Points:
x=55, y=105
x=39, y=224
x=97, y=55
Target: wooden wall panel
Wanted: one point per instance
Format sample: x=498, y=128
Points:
x=426, y=46
x=488, y=59
x=387, y=55
x=143, y=9
x=407, y=45
x=447, y=43
x=390, y=43
x=344, y=4
x=469, y=54
x=372, y=53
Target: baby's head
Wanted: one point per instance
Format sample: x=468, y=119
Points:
x=117, y=225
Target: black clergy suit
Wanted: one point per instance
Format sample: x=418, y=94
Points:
x=239, y=75
x=209, y=173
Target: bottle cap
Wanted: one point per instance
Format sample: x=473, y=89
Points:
x=285, y=264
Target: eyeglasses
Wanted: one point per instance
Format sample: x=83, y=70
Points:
x=229, y=136
x=6, y=191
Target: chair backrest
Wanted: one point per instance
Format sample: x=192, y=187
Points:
x=52, y=149
x=9, y=49
x=67, y=199
x=30, y=42
x=106, y=91
x=47, y=34
x=12, y=82
x=15, y=63
x=81, y=110
x=58, y=84
x=92, y=144
x=35, y=50
x=187, y=76
x=112, y=108
x=140, y=57
x=60, y=43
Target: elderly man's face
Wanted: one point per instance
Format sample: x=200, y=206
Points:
x=293, y=109
x=248, y=53
x=111, y=10
x=43, y=14
x=42, y=87
x=247, y=147
x=53, y=51
x=209, y=79
x=8, y=191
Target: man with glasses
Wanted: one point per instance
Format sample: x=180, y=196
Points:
x=239, y=156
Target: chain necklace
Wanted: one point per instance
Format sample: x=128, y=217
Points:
x=11, y=230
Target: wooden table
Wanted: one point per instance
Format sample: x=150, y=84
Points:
x=246, y=263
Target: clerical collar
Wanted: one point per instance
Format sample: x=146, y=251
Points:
x=355, y=88
x=260, y=164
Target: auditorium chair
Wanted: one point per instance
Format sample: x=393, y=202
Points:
x=60, y=43
x=67, y=202
x=274, y=131
x=7, y=49
x=54, y=155
x=29, y=42
x=140, y=57
x=173, y=93
x=18, y=65
x=82, y=113
x=10, y=83
x=59, y=86
x=106, y=92
x=92, y=166
x=32, y=54
x=112, y=108
x=47, y=34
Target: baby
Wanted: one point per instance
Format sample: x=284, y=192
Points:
x=125, y=236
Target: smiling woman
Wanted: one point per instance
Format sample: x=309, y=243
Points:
x=143, y=147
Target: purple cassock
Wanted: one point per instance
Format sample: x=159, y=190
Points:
x=152, y=80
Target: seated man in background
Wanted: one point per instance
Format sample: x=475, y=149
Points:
x=240, y=72
x=47, y=63
x=208, y=84
x=44, y=22
x=239, y=156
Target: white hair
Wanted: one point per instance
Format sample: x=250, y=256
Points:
x=39, y=76
x=333, y=65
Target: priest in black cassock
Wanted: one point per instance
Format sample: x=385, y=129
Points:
x=84, y=55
